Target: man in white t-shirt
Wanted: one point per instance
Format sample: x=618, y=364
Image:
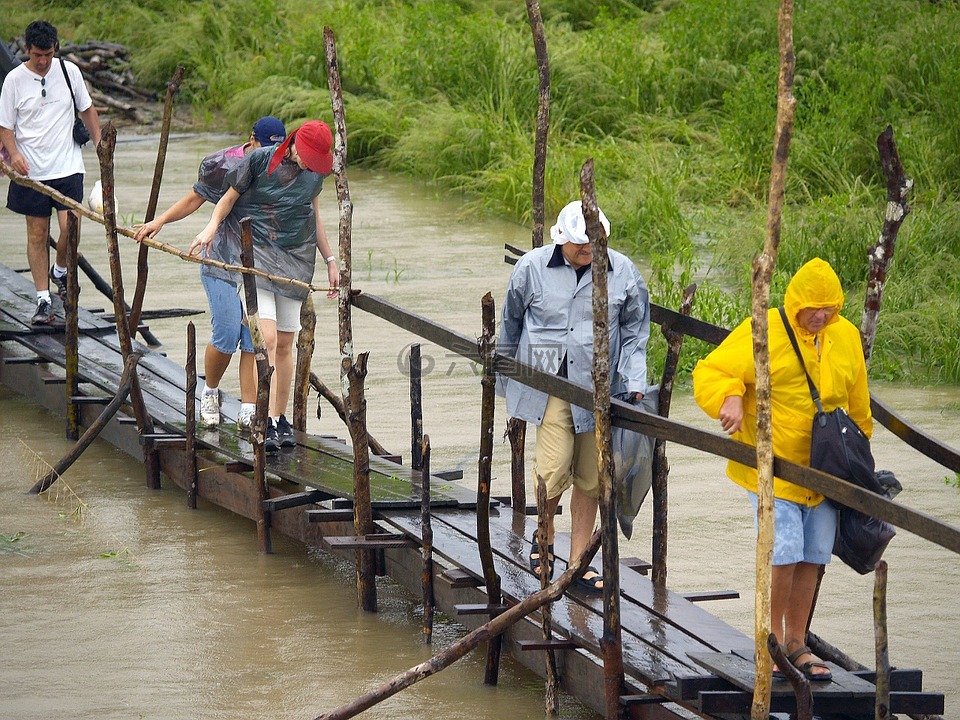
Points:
x=36, y=129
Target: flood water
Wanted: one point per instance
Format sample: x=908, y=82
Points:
x=142, y=608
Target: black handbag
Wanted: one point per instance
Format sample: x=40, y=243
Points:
x=838, y=446
x=80, y=135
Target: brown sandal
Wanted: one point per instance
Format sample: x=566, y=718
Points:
x=807, y=667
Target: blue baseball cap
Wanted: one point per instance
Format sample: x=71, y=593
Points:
x=269, y=131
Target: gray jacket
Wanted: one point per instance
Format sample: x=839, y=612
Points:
x=548, y=315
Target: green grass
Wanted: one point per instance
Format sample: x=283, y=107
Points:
x=674, y=99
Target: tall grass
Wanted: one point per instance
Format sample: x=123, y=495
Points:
x=674, y=100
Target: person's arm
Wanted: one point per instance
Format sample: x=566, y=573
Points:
x=720, y=379
x=184, y=207
x=17, y=161
x=91, y=119
x=323, y=247
x=220, y=212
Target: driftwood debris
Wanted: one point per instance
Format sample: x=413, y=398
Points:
x=459, y=649
x=106, y=70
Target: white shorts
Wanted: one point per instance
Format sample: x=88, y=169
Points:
x=284, y=311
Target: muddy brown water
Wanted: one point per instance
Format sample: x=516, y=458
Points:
x=142, y=608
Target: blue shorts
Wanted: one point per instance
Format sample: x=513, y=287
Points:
x=226, y=316
x=802, y=534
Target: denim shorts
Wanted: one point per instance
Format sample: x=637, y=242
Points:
x=226, y=316
x=802, y=534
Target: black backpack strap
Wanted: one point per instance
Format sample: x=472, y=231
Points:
x=66, y=76
x=793, y=341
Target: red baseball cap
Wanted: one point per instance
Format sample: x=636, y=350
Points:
x=314, y=142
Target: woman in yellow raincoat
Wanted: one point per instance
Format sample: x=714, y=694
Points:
x=725, y=387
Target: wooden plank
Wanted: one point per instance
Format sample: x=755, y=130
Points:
x=369, y=542
x=689, y=687
x=742, y=673
x=329, y=515
x=554, y=644
x=700, y=624
x=480, y=608
x=570, y=617
x=739, y=701
x=901, y=679
x=457, y=578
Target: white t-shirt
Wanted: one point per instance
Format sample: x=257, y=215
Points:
x=43, y=126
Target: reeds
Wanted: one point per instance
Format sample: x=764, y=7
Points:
x=674, y=100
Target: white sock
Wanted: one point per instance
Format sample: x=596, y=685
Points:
x=275, y=419
x=59, y=271
x=248, y=407
x=43, y=295
x=207, y=390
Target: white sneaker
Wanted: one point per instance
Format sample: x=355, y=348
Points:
x=210, y=408
x=245, y=419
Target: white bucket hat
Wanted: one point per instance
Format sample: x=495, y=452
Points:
x=571, y=227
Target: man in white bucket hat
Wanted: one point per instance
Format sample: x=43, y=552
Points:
x=547, y=322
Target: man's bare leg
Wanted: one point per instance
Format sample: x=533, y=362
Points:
x=38, y=256
x=62, y=242
x=583, y=518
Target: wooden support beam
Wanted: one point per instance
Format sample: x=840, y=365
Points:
x=644, y=699
x=380, y=541
x=156, y=438
x=551, y=644
x=457, y=579
x=491, y=609
x=711, y=595
x=330, y=515
x=54, y=380
x=636, y=564
x=92, y=400
x=190, y=415
x=237, y=466
x=34, y=360
x=293, y=500
x=426, y=542
x=448, y=474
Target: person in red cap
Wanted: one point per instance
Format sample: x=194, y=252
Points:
x=278, y=189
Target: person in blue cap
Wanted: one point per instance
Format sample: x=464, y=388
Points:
x=226, y=313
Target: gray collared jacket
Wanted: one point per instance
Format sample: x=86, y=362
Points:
x=548, y=316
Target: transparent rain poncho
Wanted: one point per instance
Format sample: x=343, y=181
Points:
x=283, y=220
x=211, y=185
x=633, y=465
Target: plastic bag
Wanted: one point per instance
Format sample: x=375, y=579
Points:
x=633, y=465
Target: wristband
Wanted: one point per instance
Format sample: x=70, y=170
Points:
x=330, y=259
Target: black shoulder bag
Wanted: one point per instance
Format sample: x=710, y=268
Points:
x=839, y=447
x=80, y=135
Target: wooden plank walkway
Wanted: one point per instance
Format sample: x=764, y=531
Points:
x=672, y=646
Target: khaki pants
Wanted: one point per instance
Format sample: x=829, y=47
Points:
x=564, y=457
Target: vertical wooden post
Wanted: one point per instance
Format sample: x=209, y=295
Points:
x=543, y=117
x=661, y=468
x=108, y=142
x=71, y=339
x=610, y=643
x=173, y=87
x=258, y=428
x=881, y=252
x=762, y=273
x=551, y=694
x=362, y=510
x=416, y=407
x=426, y=547
x=517, y=435
x=190, y=367
x=880, y=637
x=305, y=345
x=488, y=348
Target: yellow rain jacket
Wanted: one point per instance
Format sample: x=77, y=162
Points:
x=833, y=357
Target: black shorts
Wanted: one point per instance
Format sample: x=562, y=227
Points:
x=27, y=201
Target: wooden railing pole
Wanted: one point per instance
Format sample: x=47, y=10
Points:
x=136, y=307
x=610, y=643
x=551, y=690
x=543, y=118
x=362, y=509
x=71, y=339
x=488, y=348
x=416, y=407
x=517, y=435
x=881, y=640
x=426, y=547
x=306, y=343
x=661, y=468
x=108, y=143
x=190, y=408
x=258, y=428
